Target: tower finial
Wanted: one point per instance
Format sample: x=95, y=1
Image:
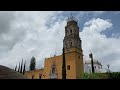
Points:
x=72, y=18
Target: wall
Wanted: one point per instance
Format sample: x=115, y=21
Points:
x=36, y=73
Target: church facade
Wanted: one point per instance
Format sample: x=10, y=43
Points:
x=73, y=55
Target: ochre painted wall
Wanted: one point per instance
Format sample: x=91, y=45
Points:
x=49, y=62
x=36, y=73
x=74, y=58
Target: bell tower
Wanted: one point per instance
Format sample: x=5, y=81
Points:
x=72, y=39
x=73, y=49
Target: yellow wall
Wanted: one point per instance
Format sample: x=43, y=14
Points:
x=34, y=72
x=74, y=58
x=49, y=62
x=79, y=64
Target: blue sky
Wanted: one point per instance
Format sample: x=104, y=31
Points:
x=112, y=15
x=40, y=34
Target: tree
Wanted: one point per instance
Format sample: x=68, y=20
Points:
x=92, y=64
x=21, y=66
x=63, y=66
x=24, y=68
x=32, y=64
x=16, y=68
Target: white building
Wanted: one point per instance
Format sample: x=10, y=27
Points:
x=97, y=66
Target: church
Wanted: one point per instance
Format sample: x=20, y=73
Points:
x=73, y=55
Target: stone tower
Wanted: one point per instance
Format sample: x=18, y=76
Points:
x=73, y=56
x=73, y=49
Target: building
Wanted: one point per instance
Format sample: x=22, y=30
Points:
x=73, y=55
x=97, y=67
x=34, y=74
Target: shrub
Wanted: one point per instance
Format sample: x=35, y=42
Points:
x=94, y=76
x=114, y=75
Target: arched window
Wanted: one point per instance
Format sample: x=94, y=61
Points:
x=66, y=32
x=95, y=67
x=40, y=76
x=70, y=31
x=33, y=76
x=53, y=70
x=71, y=44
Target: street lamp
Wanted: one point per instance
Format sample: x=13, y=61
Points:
x=108, y=67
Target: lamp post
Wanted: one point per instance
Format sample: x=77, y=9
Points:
x=108, y=67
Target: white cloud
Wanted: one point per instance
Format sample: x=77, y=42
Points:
x=97, y=25
x=40, y=33
x=104, y=49
x=35, y=37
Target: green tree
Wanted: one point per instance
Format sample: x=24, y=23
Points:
x=21, y=66
x=91, y=56
x=24, y=68
x=94, y=76
x=16, y=68
x=114, y=75
x=63, y=66
x=32, y=64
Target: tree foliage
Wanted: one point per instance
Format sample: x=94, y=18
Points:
x=21, y=68
x=63, y=66
x=24, y=69
x=94, y=76
x=32, y=64
x=16, y=68
x=114, y=75
x=111, y=75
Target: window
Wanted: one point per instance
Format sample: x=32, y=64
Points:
x=53, y=70
x=68, y=67
x=40, y=76
x=66, y=32
x=71, y=44
x=95, y=67
x=79, y=57
x=66, y=45
x=70, y=31
x=33, y=76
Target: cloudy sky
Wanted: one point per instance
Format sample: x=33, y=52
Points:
x=24, y=34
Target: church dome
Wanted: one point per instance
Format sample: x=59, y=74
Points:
x=7, y=73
